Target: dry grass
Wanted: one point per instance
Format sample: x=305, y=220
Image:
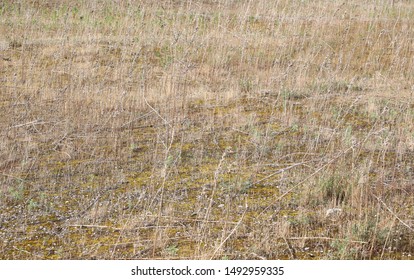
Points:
x=206, y=129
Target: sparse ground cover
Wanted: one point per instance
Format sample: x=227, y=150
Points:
x=206, y=129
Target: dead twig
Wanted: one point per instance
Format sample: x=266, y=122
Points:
x=228, y=236
x=326, y=238
x=392, y=212
x=280, y=171
x=94, y=226
x=292, y=250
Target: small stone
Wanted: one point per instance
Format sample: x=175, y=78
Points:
x=333, y=212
